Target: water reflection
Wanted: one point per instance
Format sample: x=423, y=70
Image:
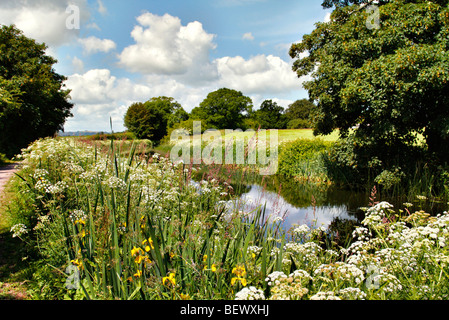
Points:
x=313, y=215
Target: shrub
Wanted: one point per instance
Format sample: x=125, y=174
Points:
x=302, y=159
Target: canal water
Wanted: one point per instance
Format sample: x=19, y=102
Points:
x=317, y=205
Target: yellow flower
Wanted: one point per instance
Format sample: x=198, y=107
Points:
x=239, y=271
x=170, y=278
x=81, y=221
x=138, y=259
x=136, y=252
x=77, y=263
x=242, y=281
x=185, y=296
x=150, y=245
x=214, y=268
x=138, y=274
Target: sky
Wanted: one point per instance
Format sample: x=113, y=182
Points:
x=115, y=53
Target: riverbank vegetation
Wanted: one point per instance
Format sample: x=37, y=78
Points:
x=102, y=226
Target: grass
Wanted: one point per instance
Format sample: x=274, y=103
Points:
x=133, y=227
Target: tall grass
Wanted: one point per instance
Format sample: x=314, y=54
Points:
x=108, y=226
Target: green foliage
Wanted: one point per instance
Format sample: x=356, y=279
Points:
x=133, y=229
x=300, y=114
x=390, y=82
x=151, y=119
x=33, y=103
x=270, y=115
x=223, y=109
x=302, y=159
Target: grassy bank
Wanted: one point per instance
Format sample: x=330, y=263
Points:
x=103, y=226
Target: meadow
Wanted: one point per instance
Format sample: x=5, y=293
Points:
x=100, y=223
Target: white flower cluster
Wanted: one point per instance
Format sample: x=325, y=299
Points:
x=19, y=230
x=375, y=215
x=301, y=230
x=78, y=215
x=251, y=293
x=325, y=295
x=275, y=277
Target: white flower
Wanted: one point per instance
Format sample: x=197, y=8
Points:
x=251, y=293
x=303, y=229
x=328, y=295
x=273, y=278
x=18, y=230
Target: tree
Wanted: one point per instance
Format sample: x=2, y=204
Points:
x=223, y=109
x=150, y=120
x=300, y=114
x=33, y=101
x=270, y=116
x=390, y=82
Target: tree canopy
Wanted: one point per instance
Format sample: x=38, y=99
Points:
x=389, y=82
x=151, y=119
x=270, y=115
x=224, y=109
x=300, y=114
x=33, y=101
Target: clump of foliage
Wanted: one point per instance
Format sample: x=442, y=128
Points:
x=386, y=85
x=302, y=159
x=151, y=119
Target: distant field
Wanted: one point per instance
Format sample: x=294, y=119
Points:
x=293, y=134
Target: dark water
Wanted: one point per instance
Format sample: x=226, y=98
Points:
x=316, y=206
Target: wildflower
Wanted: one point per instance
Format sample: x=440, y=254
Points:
x=137, y=253
x=274, y=278
x=240, y=272
x=138, y=274
x=77, y=263
x=18, y=230
x=150, y=245
x=171, y=279
x=329, y=295
x=213, y=268
x=185, y=296
x=251, y=293
x=303, y=229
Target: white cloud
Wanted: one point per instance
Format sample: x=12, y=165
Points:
x=93, y=45
x=101, y=8
x=164, y=46
x=248, y=36
x=259, y=74
x=78, y=64
x=43, y=20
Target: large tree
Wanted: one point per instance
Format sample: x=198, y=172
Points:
x=270, y=115
x=300, y=114
x=389, y=80
x=151, y=119
x=33, y=101
x=224, y=109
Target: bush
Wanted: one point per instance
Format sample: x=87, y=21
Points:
x=302, y=159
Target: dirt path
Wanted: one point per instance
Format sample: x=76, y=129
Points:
x=6, y=173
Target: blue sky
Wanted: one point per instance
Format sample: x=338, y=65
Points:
x=128, y=51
